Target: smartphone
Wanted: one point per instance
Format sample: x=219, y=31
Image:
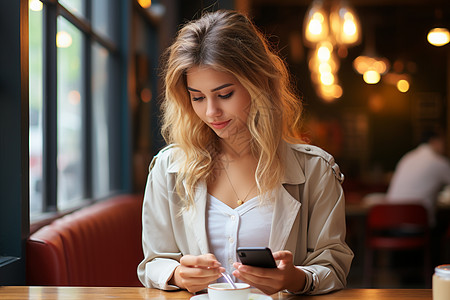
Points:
x=256, y=256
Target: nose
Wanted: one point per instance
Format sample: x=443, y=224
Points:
x=213, y=109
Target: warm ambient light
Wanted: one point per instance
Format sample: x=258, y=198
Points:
x=371, y=68
x=145, y=3
x=63, y=39
x=35, y=5
x=317, y=26
x=400, y=80
x=371, y=77
x=345, y=26
x=329, y=27
x=324, y=52
x=438, y=36
x=403, y=85
x=364, y=63
x=330, y=92
x=327, y=78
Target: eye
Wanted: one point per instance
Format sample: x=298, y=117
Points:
x=197, y=98
x=226, y=96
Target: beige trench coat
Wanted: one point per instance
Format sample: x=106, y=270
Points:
x=308, y=220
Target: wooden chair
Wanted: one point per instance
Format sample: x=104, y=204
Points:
x=397, y=227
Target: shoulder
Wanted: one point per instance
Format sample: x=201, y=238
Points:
x=310, y=150
x=165, y=158
x=315, y=156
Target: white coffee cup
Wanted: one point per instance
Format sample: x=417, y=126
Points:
x=224, y=291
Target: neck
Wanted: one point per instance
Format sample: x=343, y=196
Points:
x=236, y=151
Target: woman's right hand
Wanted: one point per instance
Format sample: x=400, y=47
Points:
x=195, y=272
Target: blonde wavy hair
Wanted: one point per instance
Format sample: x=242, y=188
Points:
x=228, y=41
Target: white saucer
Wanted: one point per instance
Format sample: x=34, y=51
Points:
x=252, y=296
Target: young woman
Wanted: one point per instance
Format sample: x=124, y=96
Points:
x=235, y=173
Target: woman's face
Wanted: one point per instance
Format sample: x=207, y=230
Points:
x=221, y=101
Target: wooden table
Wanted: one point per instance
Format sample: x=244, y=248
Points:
x=135, y=293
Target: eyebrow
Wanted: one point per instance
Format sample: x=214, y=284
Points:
x=214, y=89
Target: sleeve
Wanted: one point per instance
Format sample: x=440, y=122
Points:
x=161, y=254
x=328, y=257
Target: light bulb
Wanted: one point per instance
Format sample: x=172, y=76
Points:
x=371, y=77
x=316, y=23
x=403, y=85
x=345, y=25
x=438, y=36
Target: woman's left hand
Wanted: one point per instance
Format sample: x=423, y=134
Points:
x=271, y=280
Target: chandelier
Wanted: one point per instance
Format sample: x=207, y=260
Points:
x=330, y=27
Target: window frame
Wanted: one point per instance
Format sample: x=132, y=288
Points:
x=51, y=11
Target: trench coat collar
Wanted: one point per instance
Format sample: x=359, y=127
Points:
x=294, y=173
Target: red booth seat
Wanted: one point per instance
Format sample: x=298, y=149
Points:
x=99, y=245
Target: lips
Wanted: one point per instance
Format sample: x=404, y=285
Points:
x=220, y=125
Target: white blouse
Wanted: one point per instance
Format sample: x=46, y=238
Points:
x=248, y=225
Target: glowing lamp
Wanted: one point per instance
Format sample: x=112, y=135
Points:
x=438, y=37
x=371, y=77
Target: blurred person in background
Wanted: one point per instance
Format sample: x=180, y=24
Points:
x=422, y=173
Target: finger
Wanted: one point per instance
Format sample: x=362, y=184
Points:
x=203, y=261
x=261, y=276
x=195, y=272
x=283, y=255
x=256, y=271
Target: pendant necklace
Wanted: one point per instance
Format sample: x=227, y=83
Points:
x=239, y=201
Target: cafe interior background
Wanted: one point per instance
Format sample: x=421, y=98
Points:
x=86, y=125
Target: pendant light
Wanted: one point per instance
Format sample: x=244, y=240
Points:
x=439, y=35
x=370, y=64
x=329, y=26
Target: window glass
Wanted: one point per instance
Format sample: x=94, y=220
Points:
x=69, y=114
x=76, y=7
x=100, y=107
x=103, y=16
x=35, y=105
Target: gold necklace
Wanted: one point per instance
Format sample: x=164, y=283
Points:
x=239, y=201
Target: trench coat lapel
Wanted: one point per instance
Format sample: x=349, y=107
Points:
x=196, y=217
x=286, y=216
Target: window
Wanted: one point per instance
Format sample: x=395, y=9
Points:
x=74, y=63
x=65, y=117
x=35, y=104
